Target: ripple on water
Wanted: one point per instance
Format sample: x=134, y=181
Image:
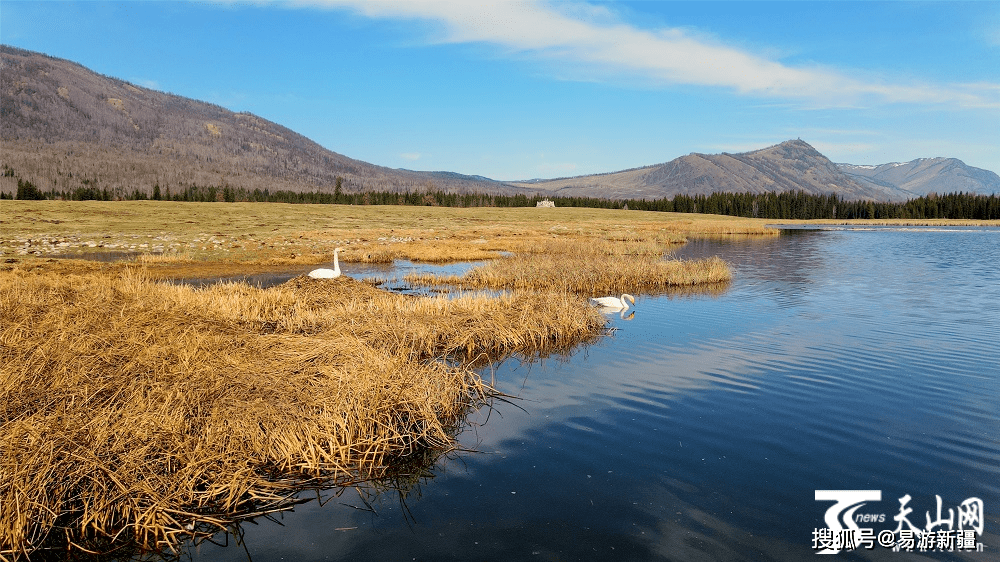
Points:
x=702, y=428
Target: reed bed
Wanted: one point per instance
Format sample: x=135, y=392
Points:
x=562, y=245
x=586, y=268
x=139, y=412
x=145, y=412
x=175, y=257
x=437, y=251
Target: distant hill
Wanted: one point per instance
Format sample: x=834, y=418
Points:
x=793, y=165
x=927, y=175
x=63, y=125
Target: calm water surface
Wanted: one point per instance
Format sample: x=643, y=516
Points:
x=390, y=275
x=840, y=360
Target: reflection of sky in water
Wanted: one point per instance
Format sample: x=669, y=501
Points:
x=703, y=426
x=391, y=274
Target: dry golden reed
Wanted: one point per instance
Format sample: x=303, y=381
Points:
x=587, y=268
x=438, y=251
x=138, y=411
x=135, y=411
x=277, y=234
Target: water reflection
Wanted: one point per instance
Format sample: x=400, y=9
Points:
x=342, y=508
x=701, y=428
x=385, y=275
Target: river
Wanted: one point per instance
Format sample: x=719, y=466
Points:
x=702, y=429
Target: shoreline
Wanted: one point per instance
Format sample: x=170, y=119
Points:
x=889, y=222
x=208, y=404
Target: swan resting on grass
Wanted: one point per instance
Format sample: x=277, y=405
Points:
x=328, y=273
x=614, y=303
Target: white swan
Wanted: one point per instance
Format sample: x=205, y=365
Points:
x=328, y=273
x=614, y=303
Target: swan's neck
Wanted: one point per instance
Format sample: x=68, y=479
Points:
x=336, y=263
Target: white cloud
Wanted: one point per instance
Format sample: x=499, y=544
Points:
x=410, y=155
x=592, y=37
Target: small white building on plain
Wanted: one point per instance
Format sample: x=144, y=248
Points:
x=545, y=203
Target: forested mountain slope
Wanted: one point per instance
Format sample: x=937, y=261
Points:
x=64, y=126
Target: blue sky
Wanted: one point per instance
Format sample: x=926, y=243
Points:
x=519, y=90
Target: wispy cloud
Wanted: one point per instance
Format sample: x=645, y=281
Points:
x=594, y=38
x=410, y=155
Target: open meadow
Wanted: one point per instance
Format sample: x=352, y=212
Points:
x=268, y=235
x=141, y=412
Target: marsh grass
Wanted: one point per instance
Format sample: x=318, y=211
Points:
x=275, y=234
x=137, y=411
x=592, y=245
x=134, y=410
x=587, y=268
x=437, y=251
x=182, y=258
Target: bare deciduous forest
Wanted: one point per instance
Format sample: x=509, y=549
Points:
x=64, y=127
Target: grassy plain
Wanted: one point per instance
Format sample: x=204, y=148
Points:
x=281, y=236
x=139, y=411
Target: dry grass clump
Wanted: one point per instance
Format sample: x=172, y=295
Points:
x=478, y=325
x=593, y=245
x=140, y=411
x=444, y=251
x=587, y=269
x=437, y=251
x=711, y=226
x=378, y=254
x=182, y=257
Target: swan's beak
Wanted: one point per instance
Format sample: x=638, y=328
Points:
x=631, y=299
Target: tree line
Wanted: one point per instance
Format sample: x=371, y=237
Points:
x=801, y=205
x=771, y=205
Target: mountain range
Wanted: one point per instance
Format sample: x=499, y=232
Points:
x=64, y=126
x=791, y=165
x=924, y=176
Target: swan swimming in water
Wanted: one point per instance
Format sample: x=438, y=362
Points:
x=328, y=273
x=614, y=303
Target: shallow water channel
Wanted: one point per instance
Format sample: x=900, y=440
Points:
x=390, y=276
x=703, y=427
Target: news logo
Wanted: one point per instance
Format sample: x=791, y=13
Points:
x=956, y=529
